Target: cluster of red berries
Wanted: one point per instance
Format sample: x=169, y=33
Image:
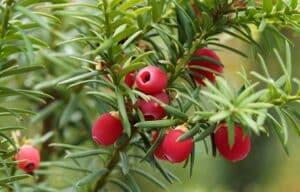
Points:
x=172, y=150
x=153, y=80
x=28, y=158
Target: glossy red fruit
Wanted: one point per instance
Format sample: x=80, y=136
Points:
x=151, y=80
x=130, y=78
x=151, y=109
x=29, y=158
x=158, y=152
x=173, y=150
x=107, y=129
x=240, y=148
x=201, y=74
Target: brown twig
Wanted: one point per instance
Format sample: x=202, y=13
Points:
x=113, y=162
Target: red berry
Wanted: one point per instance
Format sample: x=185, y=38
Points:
x=29, y=158
x=240, y=148
x=129, y=79
x=210, y=75
x=151, y=109
x=151, y=80
x=176, y=151
x=158, y=152
x=107, y=129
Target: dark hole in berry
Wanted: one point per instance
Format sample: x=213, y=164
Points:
x=149, y=117
x=29, y=167
x=146, y=77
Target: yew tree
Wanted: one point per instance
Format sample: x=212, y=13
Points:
x=98, y=88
